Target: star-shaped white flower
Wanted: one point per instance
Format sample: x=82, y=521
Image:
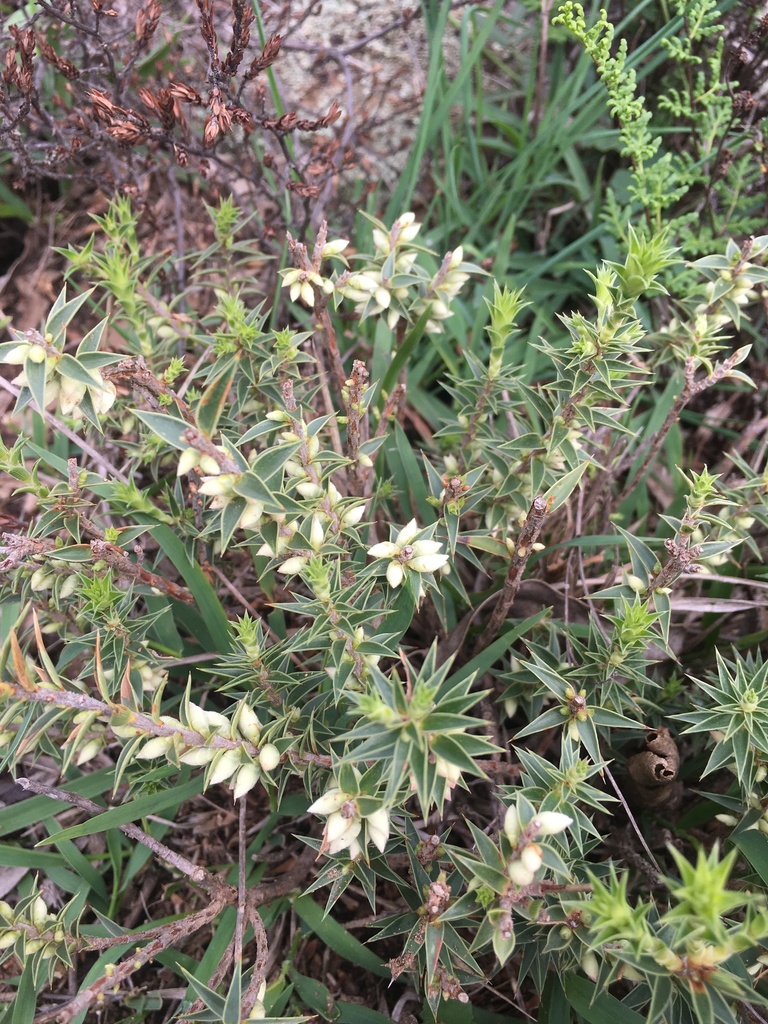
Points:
x=405, y=552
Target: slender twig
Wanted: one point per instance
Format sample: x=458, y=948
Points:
x=529, y=533
x=195, y=872
x=632, y=821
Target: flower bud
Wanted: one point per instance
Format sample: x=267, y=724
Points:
x=156, y=747
x=512, y=828
x=38, y=913
x=248, y=723
x=269, y=757
x=37, y=354
x=590, y=966
x=549, y=823
x=7, y=939
x=244, y=780
x=519, y=873
x=531, y=857
x=88, y=751
x=197, y=756
x=225, y=766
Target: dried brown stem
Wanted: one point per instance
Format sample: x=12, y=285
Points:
x=117, y=559
x=357, y=425
x=529, y=533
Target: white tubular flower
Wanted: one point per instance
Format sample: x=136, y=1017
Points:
x=219, y=488
x=244, y=780
x=352, y=516
x=103, y=398
x=316, y=534
x=300, y=283
x=457, y=257
x=531, y=856
x=188, y=460
x=377, y=828
x=408, y=227
x=406, y=553
x=512, y=825
x=248, y=723
x=207, y=722
x=225, y=766
x=17, y=355
x=519, y=873
x=345, y=823
x=71, y=394
x=450, y=772
x=292, y=566
x=156, y=747
x=332, y=800
x=334, y=247
x=251, y=517
x=341, y=832
x=198, y=756
x=549, y=823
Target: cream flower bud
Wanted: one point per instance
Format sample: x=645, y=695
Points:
x=188, y=460
x=531, y=857
x=352, y=516
x=635, y=583
x=364, y=283
x=590, y=966
x=334, y=247
x=244, y=780
x=251, y=517
x=395, y=573
x=512, y=828
x=88, y=751
x=309, y=490
x=291, y=566
x=16, y=355
x=316, y=534
x=378, y=828
x=209, y=465
x=218, y=486
x=269, y=757
x=248, y=723
x=156, y=747
x=519, y=873
x=198, y=719
x=104, y=398
x=198, y=756
x=71, y=393
x=549, y=823
x=427, y=563
x=457, y=257
x=381, y=241
x=225, y=766
x=37, y=354
x=386, y=549
x=332, y=800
